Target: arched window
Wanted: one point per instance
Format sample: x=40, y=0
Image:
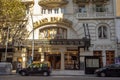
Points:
x=102, y=32
x=53, y=33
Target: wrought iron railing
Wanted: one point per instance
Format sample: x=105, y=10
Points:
x=78, y=42
x=95, y=15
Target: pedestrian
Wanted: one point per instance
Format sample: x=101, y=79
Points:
x=19, y=66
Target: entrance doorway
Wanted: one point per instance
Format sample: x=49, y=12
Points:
x=55, y=60
x=71, y=61
x=98, y=53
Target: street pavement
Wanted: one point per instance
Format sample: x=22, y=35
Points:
x=58, y=75
x=67, y=72
x=55, y=77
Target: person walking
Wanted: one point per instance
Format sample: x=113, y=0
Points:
x=19, y=66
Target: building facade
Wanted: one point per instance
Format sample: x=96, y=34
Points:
x=117, y=22
x=65, y=31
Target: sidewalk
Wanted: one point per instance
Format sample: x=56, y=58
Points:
x=67, y=72
x=64, y=73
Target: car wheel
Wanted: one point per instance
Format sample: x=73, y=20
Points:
x=45, y=73
x=102, y=74
x=96, y=75
x=23, y=73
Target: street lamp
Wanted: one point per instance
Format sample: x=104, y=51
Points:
x=32, y=40
x=6, y=43
x=28, y=5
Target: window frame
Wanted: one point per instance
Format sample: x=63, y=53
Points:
x=103, y=34
x=100, y=8
x=82, y=9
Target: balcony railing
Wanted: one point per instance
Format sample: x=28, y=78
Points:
x=81, y=1
x=94, y=15
x=52, y=3
x=99, y=1
x=75, y=42
x=27, y=2
x=86, y=1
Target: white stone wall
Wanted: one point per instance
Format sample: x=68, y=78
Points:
x=77, y=30
x=118, y=35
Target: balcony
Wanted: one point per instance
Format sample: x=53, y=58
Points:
x=95, y=15
x=99, y=1
x=52, y=3
x=87, y=1
x=59, y=42
x=81, y=1
x=27, y=2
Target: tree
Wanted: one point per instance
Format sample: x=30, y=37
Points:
x=12, y=21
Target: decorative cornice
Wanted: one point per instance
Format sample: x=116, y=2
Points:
x=52, y=20
x=52, y=3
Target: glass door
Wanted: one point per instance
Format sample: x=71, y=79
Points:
x=71, y=61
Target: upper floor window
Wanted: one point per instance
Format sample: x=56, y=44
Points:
x=51, y=11
x=102, y=32
x=100, y=8
x=56, y=11
x=82, y=9
x=43, y=11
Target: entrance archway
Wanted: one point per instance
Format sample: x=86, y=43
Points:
x=54, y=59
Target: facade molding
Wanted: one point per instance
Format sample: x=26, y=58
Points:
x=52, y=20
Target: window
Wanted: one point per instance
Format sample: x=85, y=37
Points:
x=100, y=8
x=43, y=11
x=102, y=32
x=82, y=9
x=62, y=10
x=92, y=62
x=49, y=11
x=53, y=33
x=56, y=11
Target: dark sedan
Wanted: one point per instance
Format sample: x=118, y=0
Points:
x=110, y=70
x=36, y=68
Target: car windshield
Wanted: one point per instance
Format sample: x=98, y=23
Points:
x=113, y=66
x=38, y=65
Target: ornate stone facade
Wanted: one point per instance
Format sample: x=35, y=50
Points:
x=79, y=21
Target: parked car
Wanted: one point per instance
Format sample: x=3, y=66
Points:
x=43, y=68
x=110, y=70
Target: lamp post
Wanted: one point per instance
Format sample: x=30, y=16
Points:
x=31, y=16
x=32, y=38
x=30, y=4
x=6, y=44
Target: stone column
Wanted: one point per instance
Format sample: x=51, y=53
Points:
x=42, y=56
x=62, y=61
x=60, y=10
x=23, y=55
x=41, y=51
